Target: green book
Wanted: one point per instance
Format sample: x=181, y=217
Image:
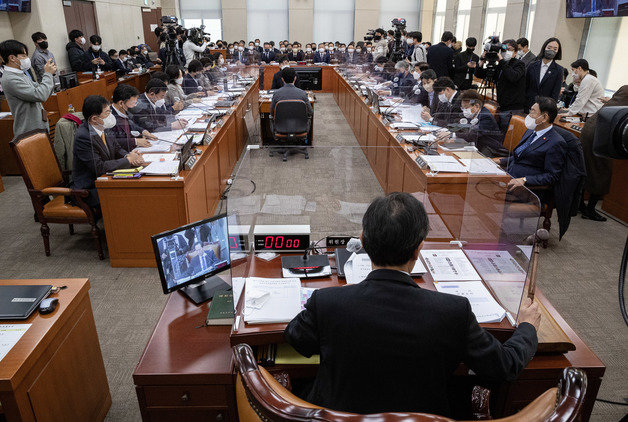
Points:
x=221, y=309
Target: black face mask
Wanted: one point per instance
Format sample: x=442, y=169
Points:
x=377, y=37
x=470, y=50
x=43, y=45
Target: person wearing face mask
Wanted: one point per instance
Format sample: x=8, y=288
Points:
x=539, y=157
x=367, y=53
x=294, y=55
x=448, y=109
x=230, y=51
x=238, y=55
x=95, y=58
x=544, y=77
x=120, y=64
x=151, y=113
x=423, y=93
x=25, y=96
x=381, y=44
x=419, y=54
x=125, y=98
x=144, y=59
x=588, y=92
x=402, y=81
x=509, y=76
x=351, y=56
x=278, y=81
x=463, y=74
x=523, y=51
x=41, y=55
x=96, y=151
x=258, y=45
x=322, y=55
x=483, y=129
x=268, y=55
x=309, y=53
x=76, y=54
x=176, y=91
x=252, y=56
x=190, y=85
x=440, y=56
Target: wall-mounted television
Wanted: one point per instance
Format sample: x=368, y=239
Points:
x=596, y=8
x=15, y=6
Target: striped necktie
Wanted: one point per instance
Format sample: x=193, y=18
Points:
x=526, y=144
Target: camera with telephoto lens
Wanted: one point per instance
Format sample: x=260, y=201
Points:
x=198, y=35
x=369, y=35
x=492, y=47
x=397, y=51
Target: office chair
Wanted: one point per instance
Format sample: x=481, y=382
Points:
x=290, y=125
x=44, y=179
x=261, y=397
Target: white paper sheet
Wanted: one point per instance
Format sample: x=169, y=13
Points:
x=481, y=166
x=155, y=147
x=449, y=265
x=496, y=265
x=237, y=285
x=149, y=158
x=271, y=300
x=357, y=267
x=161, y=168
x=9, y=336
x=484, y=306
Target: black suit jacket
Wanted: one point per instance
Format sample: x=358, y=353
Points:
x=268, y=56
x=387, y=345
x=448, y=112
x=548, y=87
x=440, y=58
x=296, y=56
x=92, y=159
x=510, y=77
x=91, y=55
x=150, y=118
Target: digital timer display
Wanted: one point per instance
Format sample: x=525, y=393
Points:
x=282, y=242
x=237, y=242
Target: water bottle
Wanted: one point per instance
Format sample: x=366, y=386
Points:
x=70, y=108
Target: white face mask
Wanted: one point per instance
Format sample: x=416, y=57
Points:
x=109, y=121
x=466, y=112
x=282, y=48
x=231, y=50
x=508, y=55
x=574, y=75
x=321, y=50
x=410, y=41
x=416, y=75
x=442, y=98
x=95, y=47
x=530, y=122
x=350, y=50
x=240, y=48
x=331, y=48
x=257, y=44
x=369, y=49
x=160, y=103
x=179, y=81
x=326, y=47
x=308, y=50
x=342, y=50
x=25, y=64
x=82, y=40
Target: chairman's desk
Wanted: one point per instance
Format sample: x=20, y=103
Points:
x=55, y=372
x=186, y=373
x=133, y=210
x=328, y=75
x=59, y=103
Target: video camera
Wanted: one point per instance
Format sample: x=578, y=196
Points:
x=369, y=35
x=492, y=47
x=397, y=52
x=198, y=35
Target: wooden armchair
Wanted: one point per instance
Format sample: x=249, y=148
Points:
x=43, y=178
x=260, y=397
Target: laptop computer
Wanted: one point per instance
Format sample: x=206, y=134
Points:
x=19, y=301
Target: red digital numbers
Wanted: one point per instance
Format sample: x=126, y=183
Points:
x=233, y=242
x=280, y=242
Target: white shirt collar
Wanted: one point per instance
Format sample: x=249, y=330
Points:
x=150, y=102
x=14, y=70
x=119, y=112
x=449, y=100
x=542, y=132
x=98, y=131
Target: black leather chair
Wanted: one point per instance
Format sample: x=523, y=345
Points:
x=290, y=127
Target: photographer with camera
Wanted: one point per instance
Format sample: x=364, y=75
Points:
x=190, y=44
x=498, y=65
x=381, y=43
x=463, y=73
x=440, y=56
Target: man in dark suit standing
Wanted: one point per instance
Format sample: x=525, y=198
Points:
x=388, y=345
x=268, y=55
x=540, y=156
x=440, y=56
x=290, y=92
x=524, y=54
x=463, y=74
x=96, y=152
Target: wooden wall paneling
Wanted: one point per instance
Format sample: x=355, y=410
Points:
x=381, y=156
x=196, y=194
x=395, y=170
x=211, y=172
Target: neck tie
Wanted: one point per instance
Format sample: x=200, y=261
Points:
x=526, y=144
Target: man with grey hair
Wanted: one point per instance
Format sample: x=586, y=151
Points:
x=403, y=81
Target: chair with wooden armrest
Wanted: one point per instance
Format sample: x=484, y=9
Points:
x=515, y=131
x=260, y=397
x=44, y=179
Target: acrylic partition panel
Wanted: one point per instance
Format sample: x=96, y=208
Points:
x=296, y=204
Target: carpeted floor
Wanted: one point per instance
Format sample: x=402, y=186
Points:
x=578, y=274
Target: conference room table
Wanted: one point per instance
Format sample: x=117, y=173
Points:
x=186, y=372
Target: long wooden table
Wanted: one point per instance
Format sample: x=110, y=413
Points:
x=328, y=74
x=186, y=373
x=135, y=209
x=55, y=372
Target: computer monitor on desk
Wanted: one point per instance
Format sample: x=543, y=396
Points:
x=189, y=257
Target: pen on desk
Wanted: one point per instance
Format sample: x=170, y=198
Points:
x=236, y=324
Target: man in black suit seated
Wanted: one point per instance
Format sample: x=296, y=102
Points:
x=96, y=150
x=424, y=92
x=290, y=92
x=151, y=113
x=284, y=62
x=268, y=55
x=448, y=109
x=388, y=345
x=293, y=54
x=202, y=260
x=539, y=158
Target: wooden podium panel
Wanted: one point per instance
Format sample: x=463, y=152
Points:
x=55, y=372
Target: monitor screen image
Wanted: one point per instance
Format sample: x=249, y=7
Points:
x=596, y=8
x=192, y=253
x=15, y=6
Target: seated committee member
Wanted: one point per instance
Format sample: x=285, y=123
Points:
x=120, y=64
x=588, y=89
x=424, y=92
x=124, y=99
x=25, y=96
x=202, y=260
x=290, y=92
x=151, y=113
x=41, y=55
x=448, y=109
x=76, y=54
x=403, y=81
x=175, y=91
x=96, y=150
x=322, y=55
x=544, y=77
x=190, y=85
x=484, y=130
x=95, y=58
x=268, y=55
x=388, y=345
x=540, y=156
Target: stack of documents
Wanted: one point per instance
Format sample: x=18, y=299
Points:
x=271, y=300
x=484, y=306
x=161, y=168
x=481, y=166
x=358, y=267
x=496, y=265
x=149, y=158
x=404, y=125
x=155, y=147
x=443, y=163
x=449, y=265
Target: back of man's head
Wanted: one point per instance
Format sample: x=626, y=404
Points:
x=393, y=227
x=288, y=74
